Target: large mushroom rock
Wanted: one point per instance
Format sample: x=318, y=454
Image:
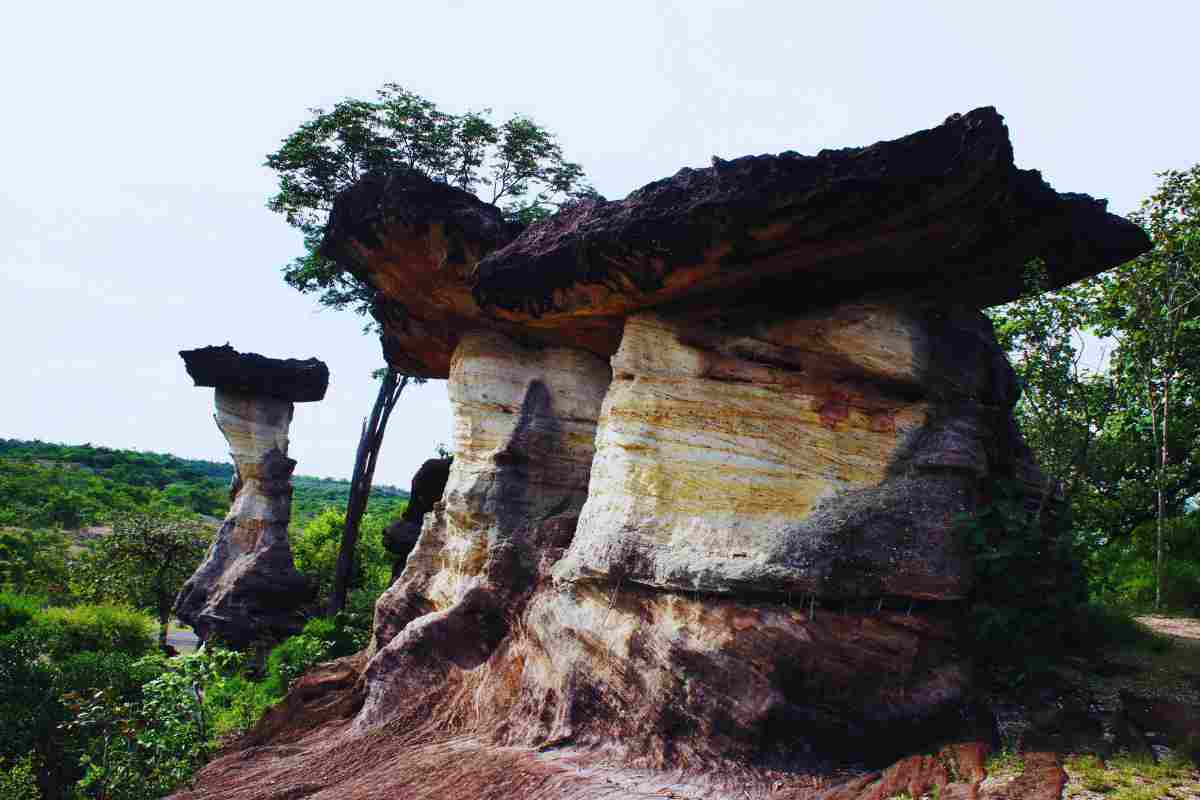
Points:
x=400, y=537
x=247, y=588
x=712, y=442
x=741, y=541
x=942, y=213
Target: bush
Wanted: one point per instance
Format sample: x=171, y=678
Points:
x=144, y=748
x=16, y=610
x=1125, y=566
x=117, y=672
x=315, y=549
x=64, y=632
x=1028, y=583
x=18, y=781
x=236, y=703
x=29, y=707
x=291, y=659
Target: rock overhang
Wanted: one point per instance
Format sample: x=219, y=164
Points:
x=942, y=214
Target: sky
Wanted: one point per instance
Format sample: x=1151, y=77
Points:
x=132, y=190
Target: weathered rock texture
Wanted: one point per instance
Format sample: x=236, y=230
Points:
x=400, y=537
x=247, y=587
x=711, y=445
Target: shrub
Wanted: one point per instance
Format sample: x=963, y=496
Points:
x=63, y=632
x=16, y=610
x=234, y=704
x=291, y=659
x=92, y=671
x=144, y=748
x=29, y=707
x=18, y=781
x=1028, y=583
x=315, y=548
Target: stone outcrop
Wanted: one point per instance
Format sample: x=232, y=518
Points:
x=247, y=587
x=400, y=537
x=712, y=446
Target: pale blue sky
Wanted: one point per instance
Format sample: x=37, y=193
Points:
x=131, y=188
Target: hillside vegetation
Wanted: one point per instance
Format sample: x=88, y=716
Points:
x=46, y=485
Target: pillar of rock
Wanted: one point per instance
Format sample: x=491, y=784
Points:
x=247, y=587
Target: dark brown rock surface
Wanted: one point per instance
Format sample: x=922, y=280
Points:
x=943, y=213
x=295, y=380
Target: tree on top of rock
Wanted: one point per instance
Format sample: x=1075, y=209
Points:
x=517, y=165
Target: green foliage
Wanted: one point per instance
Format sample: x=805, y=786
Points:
x=62, y=632
x=29, y=708
x=517, y=162
x=143, y=748
x=1124, y=570
x=16, y=610
x=1026, y=587
x=120, y=673
x=291, y=659
x=18, y=780
x=44, y=485
x=315, y=548
x=236, y=703
x=33, y=560
x=144, y=562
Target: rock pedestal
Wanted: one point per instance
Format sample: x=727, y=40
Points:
x=247, y=587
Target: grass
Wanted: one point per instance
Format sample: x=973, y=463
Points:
x=1005, y=763
x=1124, y=777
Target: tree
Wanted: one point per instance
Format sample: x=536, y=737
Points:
x=369, y=444
x=1063, y=404
x=1150, y=307
x=143, y=562
x=518, y=164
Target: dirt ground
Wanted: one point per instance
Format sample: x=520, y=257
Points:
x=1099, y=730
x=1186, y=629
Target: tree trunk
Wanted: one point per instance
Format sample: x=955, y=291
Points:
x=1163, y=458
x=165, y=602
x=369, y=444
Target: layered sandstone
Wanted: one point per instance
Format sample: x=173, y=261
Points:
x=247, y=588
x=712, y=445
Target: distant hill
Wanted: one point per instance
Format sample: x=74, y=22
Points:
x=69, y=486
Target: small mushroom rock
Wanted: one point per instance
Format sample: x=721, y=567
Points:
x=247, y=588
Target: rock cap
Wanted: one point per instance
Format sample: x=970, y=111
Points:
x=943, y=214
x=297, y=380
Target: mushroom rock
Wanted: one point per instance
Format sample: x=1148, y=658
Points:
x=711, y=445
x=427, y=486
x=247, y=588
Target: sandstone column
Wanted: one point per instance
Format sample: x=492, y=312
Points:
x=247, y=587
